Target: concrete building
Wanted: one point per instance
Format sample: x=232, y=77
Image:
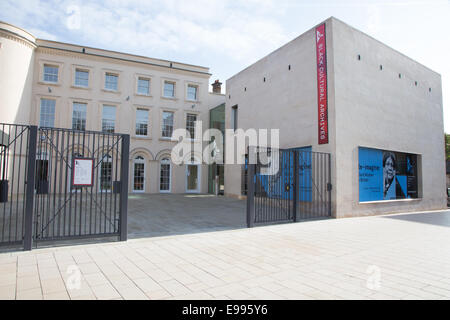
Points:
x=54, y=84
x=379, y=104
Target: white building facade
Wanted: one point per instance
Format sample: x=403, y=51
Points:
x=54, y=84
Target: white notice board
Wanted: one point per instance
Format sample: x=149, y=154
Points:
x=83, y=172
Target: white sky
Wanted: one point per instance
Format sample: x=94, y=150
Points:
x=227, y=36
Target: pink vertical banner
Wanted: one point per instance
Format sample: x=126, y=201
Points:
x=321, y=55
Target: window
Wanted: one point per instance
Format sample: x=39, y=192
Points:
x=81, y=78
x=234, y=117
x=108, y=118
x=143, y=86
x=169, y=89
x=50, y=73
x=79, y=116
x=167, y=124
x=164, y=180
x=190, y=124
x=141, y=122
x=106, y=173
x=192, y=92
x=47, y=116
x=111, y=81
x=139, y=174
x=387, y=175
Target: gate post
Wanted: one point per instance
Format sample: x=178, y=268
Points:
x=296, y=185
x=125, y=159
x=251, y=195
x=29, y=196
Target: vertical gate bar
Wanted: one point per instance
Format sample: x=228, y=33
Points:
x=107, y=192
x=110, y=195
x=250, y=194
x=18, y=183
x=116, y=176
x=67, y=191
x=329, y=181
x=71, y=186
x=37, y=177
x=124, y=187
x=80, y=211
x=101, y=182
x=28, y=235
x=12, y=185
x=24, y=184
x=61, y=183
x=77, y=213
x=92, y=186
x=295, y=197
x=55, y=194
x=4, y=166
x=83, y=190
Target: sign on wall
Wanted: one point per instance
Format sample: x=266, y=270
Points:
x=83, y=172
x=386, y=175
x=322, y=98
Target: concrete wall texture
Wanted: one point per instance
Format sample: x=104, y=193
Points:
x=368, y=106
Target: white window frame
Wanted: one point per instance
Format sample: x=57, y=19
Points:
x=139, y=77
x=196, y=86
x=162, y=123
x=140, y=161
x=85, y=120
x=115, y=117
x=170, y=174
x=148, y=122
x=40, y=111
x=174, y=89
x=80, y=69
x=186, y=123
x=50, y=65
x=108, y=158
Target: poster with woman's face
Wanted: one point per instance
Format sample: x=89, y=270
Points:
x=386, y=175
x=389, y=183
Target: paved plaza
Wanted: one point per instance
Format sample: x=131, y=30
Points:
x=404, y=256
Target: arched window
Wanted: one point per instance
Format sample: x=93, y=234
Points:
x=165, y=175
x=106, y=173
x=139, y=174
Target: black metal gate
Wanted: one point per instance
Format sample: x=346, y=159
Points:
x=15, y=143
x=72, y=184
x=288, y=185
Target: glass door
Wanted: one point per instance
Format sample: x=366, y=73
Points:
x=192, y=178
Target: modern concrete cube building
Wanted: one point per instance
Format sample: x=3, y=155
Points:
x=376, y=111
x=54, y=84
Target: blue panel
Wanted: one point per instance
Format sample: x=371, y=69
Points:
x=402, y=183
x=305, y=174
x=370, y=174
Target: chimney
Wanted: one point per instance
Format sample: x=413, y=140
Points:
x=217, y=86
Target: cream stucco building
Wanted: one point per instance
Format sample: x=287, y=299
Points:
x=48, y=83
